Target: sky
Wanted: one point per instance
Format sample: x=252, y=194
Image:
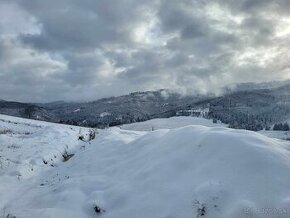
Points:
x=82, y=50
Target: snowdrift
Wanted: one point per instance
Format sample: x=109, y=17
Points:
x=188, y=172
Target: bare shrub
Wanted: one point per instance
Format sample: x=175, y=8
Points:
x=6, y=131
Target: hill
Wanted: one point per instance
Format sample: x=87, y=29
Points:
x=252, y=109
x=192, y=171
x=26, y=110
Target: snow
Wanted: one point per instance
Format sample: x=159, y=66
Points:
x=170, y=123
x=77, y=110
x=284, y=135
x=191, y=171
x=104, y=114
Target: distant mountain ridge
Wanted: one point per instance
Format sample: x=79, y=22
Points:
x=253, y=110
x=26, y=110
x=138, y=106
x=264, y=85
x=254, y=107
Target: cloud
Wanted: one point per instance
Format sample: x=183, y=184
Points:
x=84, y=50
x=15, y=20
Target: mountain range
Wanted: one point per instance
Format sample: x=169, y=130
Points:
x=251, y=106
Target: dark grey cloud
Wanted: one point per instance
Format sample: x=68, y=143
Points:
x=84, y=25
x=83, y=50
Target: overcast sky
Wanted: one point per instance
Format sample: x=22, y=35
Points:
x=87, y=49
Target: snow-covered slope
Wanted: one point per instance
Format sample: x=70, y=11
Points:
x=28, y=148
x=170, y=123
x=27, y=144
x=284, y=135
x=187, y=172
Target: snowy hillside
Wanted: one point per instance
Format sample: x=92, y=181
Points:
x=284, y=135
x=170, y=123
x=187, y=172
x=249, y=107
